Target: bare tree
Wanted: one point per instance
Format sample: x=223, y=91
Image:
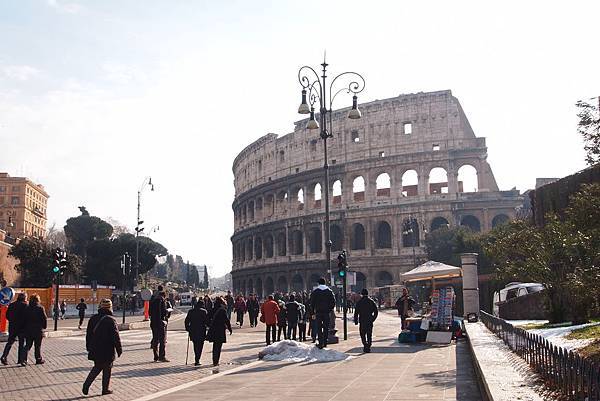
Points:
x=56, y=237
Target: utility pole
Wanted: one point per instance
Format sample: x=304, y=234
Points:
x=125, y=267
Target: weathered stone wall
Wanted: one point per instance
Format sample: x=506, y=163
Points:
x=7, y=263
x=279, y=218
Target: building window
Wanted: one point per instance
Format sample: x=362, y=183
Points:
x=355, y=136
x=2, y=189
x=14, y=200
x=15, y=188
x=313, y=145
x=281, y=156
x=1, y=200
x=436, y=147
x=381, y=154
x=407, y=128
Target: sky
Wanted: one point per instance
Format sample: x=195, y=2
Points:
x=95, y=96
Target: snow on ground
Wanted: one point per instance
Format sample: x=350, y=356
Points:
x=293, y=351
x=526, y=322
x=557, y=336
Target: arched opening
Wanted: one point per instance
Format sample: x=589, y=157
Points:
x=282, y=197
x=410, y=232
x=384, y=235
x=383, y=184
x=410, y=183
x=439, y=222
x=317, y=194
x=467, y=179
x=249, y=246
x=297, y=243
x=258, y=248
x=282, y=285
x=251, y=211
x=269, y=286
x=438, y=181
x=281, y=245
x=336, y=237
x=315, y=240
x=242, y=250
x=297, y=283
x=471, y=222
x=313, y=281
x=244, y=214
x=269, y=205
x=361, y=282
x=259, y=208
x=358, y=189
x=269, y=246
x=383, y=278
x=259, y=288
x=358, y=236
x=300, y=199
x=249, y=287
x=499, y=220
x=337, y=192
x=242, y=288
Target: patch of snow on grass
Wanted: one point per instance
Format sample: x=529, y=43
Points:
x=293, y=351
x=557, y=336
x=526, y=322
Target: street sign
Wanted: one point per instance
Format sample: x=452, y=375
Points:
x=146, y=294
x=6, y=295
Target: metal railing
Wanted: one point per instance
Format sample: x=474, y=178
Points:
x=576, y=377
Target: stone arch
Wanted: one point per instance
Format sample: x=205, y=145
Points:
x=315, y=240
x=410, y=232
x=410, y=183
x=336, y=237
x=336, y=192
x=361, y=282
x=313, y=281
x=383, y=235
x=259, y=207
x=259, y=288
x=249, y=248
x=358, y=189
x=297, y=242
x=383, y=278
x=269, y=286
x=499, y=220
x=471, y=222
x=258, y=244
x=383, y=184
x=297, y=284
x=242, y=288
x=251, y=211
x=299, y=198
x=269, y=245
x=358, y=236
x=467, y=179
x=282, y=284
x=317, y=194
x=249, y=287
x=438, y=181
x=281, y=244
x=438, y=222
x=269, y=206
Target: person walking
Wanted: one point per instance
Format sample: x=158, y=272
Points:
x=322, y=302
x=269, y=311
x=404, y=304
x=196, y=322
x=230, y=302
x=240, y=310
x=15, y=314
x=253, y=310
x=293, y=311
x=216, y=331
x=282, y=322
x=36, y=322
x=63, y=309
x=102, y=342
x=81, y=307
x=365, y=313
x=302, y=322
x=158, y=324
x=208, y=305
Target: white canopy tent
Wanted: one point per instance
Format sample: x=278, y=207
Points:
x=431, y=270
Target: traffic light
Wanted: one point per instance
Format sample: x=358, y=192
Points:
x=60, y=261
x=342, y=264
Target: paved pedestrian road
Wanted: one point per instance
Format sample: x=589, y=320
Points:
x=391, y=372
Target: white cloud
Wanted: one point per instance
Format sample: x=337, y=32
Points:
x=18, y=72
x=65, y=7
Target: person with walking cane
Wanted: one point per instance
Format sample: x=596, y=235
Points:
x=196, y=322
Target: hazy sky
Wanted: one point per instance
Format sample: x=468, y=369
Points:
x=96, y=95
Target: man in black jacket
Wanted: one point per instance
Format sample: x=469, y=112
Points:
x=102, y=342
x=158, y=324
x=293, y=312
x=196, y=322
x=322, y=302
x=15, y=314
x=36, y=322
x=253, y=310
x=365, y=313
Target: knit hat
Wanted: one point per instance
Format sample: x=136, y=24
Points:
x=364, y=292
x=105, y=304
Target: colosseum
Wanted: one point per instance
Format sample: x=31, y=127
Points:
x=410, y=165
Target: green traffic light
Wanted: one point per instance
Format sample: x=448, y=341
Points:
x=55, y=269
x=342, y=273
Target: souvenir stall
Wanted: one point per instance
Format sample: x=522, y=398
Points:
x=436, y=323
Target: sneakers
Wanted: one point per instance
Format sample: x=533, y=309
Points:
x=3, y=360
x=197, y=364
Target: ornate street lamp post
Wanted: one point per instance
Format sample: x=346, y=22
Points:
x=138, y=228
x=314, y=88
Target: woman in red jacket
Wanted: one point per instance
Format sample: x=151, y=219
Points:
x=240, y=310
x=269, y=311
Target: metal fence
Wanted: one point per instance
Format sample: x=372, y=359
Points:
x=577, y=378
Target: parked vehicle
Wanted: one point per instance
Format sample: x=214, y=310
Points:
x=514, y=290
x=185, y=298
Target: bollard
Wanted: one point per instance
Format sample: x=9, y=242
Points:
x=146, y=310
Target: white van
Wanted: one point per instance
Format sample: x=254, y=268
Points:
x=514, y=290
x=185, y=298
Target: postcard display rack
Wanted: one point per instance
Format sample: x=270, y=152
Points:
x=442, y=315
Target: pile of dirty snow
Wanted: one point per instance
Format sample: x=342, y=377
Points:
x=557, y=336
x=293, y=351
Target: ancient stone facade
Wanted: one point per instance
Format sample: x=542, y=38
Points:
x=377, y=213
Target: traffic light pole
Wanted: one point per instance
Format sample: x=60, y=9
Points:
x=345, y=304
x=56, y=301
